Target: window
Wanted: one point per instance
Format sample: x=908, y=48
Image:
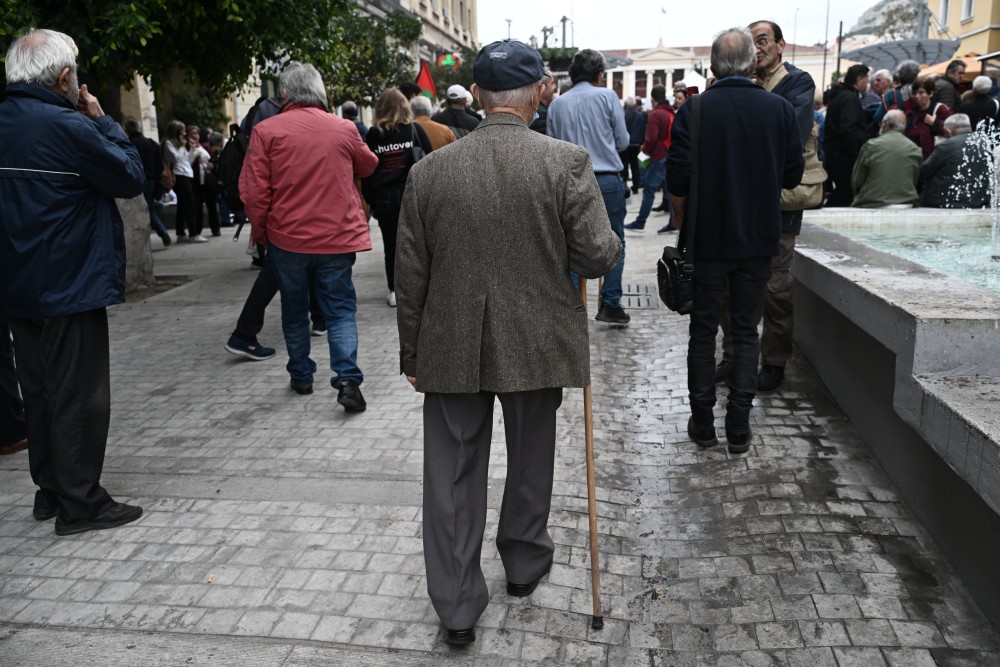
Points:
x=640, y=84
x=945, y=10
x=967, y=7
x=617, y=81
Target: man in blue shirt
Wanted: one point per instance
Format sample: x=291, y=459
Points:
x=591, y=116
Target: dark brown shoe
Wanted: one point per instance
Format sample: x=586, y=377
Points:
x=15, y=448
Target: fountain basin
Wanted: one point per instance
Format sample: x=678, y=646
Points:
x=912, y=355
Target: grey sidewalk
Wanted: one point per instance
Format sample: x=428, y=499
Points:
x=281, y=531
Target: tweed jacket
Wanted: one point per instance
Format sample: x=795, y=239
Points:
x=490, y=228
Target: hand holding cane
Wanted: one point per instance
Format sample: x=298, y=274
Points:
x=595, y=562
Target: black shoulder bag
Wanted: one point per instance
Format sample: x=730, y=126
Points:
x=675, y=269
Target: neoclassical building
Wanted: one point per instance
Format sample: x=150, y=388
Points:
x=665, y=65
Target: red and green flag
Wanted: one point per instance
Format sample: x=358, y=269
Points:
x=425, y=81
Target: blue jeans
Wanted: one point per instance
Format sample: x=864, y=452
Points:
x=330, y=275
x=656, y=176
x=613, y=192
x=148, y=188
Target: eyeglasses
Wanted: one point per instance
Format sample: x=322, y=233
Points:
x=763, y=41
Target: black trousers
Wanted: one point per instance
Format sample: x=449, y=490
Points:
x=12, y=426
x=64, y=366
x=386, y=205
x=747, y=281
x=251, y=319
x=839, y=166
x=186, y=221
x=630, y=161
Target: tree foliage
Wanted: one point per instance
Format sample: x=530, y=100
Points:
x=218, y=43
x=900, y=23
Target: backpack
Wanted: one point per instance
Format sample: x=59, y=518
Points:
x=231, y=162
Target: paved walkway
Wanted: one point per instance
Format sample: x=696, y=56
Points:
x=281, y=531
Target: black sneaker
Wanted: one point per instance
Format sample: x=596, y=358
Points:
x=302, y=389
x=770, y=377
x=165, y=237
x=612, y=314
x=739, y=441
x=722, y=371
x=666, y=229
x=350, y=397
x=46, y=505
x=703, y=436
x=635, y=228
x=114, y=515
x=253, y=351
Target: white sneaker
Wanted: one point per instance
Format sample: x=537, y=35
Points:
x=391, y=299
x=198, y=239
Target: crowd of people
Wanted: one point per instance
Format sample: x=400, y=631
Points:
x=901, y=140
x=546, y=177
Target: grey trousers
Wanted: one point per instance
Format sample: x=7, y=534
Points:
x=457, y=433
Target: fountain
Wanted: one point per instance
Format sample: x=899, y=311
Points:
x=912, y=355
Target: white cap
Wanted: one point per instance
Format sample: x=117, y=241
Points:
x=457, y=92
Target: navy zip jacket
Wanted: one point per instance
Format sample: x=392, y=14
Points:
x=749, y=149
x=62, y=241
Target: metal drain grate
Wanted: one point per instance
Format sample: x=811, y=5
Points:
x=639, y=296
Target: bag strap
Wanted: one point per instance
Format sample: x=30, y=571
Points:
x=687, y=230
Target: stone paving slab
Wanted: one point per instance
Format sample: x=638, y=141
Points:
x=279, y=530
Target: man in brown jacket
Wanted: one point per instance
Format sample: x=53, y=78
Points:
x=487, y=309
x=440, y=135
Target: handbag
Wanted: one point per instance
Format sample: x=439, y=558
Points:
x=675, y=268
x=416, y=150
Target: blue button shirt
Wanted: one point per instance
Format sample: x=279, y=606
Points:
x=591, y=117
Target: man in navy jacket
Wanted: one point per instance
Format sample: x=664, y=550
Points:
x=62, y=262
x=748, y=150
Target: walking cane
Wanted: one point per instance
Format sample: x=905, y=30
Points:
x=595, y=562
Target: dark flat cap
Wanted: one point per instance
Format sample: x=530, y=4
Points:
x=507, y=65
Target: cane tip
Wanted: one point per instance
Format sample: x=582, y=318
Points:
x=597, y=623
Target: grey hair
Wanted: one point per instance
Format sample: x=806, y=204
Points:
x=733, y=53
x=982, y=84
x=300, y=83
x=883, y=73
x=629, y=102
x=894, y=120
x=907, y=72
x=956, y=122
x=517, y=98
x=39, y=56
x=421, y=106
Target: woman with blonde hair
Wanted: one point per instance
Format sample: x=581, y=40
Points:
x=178, y=154
x=397, y=141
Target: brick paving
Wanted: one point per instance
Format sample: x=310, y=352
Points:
x=281, y=531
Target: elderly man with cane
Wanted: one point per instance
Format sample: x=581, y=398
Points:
x=487, y=310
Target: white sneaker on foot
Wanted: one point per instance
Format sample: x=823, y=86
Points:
x=391, y=299
x=198, y=238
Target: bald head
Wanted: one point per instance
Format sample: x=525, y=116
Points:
x=893, y=121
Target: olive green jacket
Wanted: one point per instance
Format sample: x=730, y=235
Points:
x=886, y=172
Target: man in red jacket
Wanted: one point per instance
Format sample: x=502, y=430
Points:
x=298, y=188
x=655, y=145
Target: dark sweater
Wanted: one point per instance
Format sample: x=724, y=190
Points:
x=394, y=156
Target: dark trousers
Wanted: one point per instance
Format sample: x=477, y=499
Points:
x=63, y=365
x=457, y=433
x=776, y=336
x=251, y=319
x=186, y=221
x=630, y=161
x=839, y=166
x=747, y=281
x=12, y=427
x=386, y=204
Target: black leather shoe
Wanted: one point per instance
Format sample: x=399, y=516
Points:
x=703, y=436
x=770, y=377
x=114, y=515
x=722, y=370
x=612, y=315
x=46, y=506
x=350, y=397
x=460, y=637
x=302, y=390
x=739, y=441
x=524, y=590
x=662, y=208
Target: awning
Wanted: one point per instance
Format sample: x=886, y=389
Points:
x=971, y=72
x=888, y=55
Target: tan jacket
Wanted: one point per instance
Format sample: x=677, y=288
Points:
x=440, y=135
x=490, y=228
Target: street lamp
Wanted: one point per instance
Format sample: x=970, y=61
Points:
x=795, y=32
x=508, y=27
